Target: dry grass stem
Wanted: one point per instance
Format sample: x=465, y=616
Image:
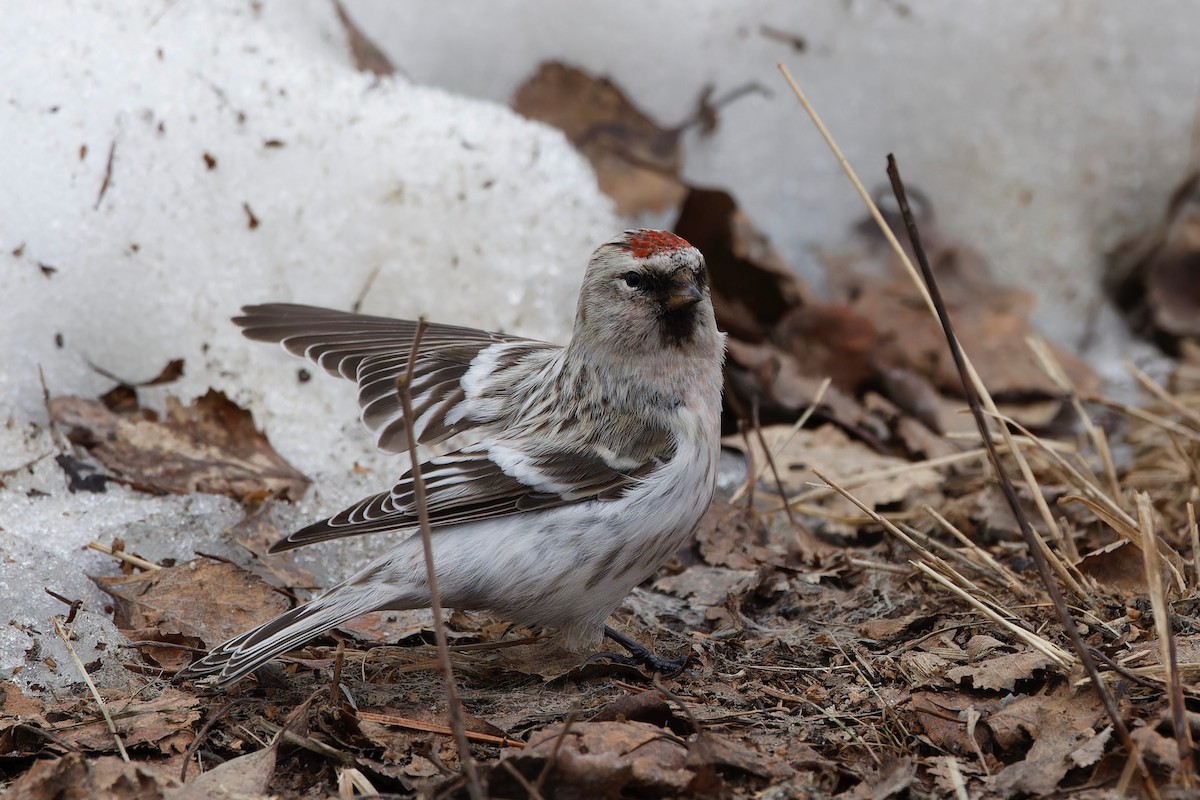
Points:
x=1007, y=575
x=1054, y=370
x=1148, y=417
x=140, y=563
x=108, y=720
x=453, y=704
x=433, y=727
x=799, y=423
x=1152, y=386
x=1152, y=563
x=1194, y=533
x=888, y=473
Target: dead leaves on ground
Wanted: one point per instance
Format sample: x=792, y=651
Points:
x=210, y=445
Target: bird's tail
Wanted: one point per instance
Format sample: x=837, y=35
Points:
x=241, y=655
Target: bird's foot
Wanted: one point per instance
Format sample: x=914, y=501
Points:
x=639, y=656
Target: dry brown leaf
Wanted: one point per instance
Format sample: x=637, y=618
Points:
x=832, y=452
x=890, y=780
x=708, y=586
x=943, y=717
x=613, y=759
x=256, y=533
x=244, y=776
x=752, y=287
x=1001, y=673
x=1060, y=743
x=636, y=161
x=139, y=722
x=1117, y=566
x=17, y=710
x=201, y=602
x=209, y=446
x=1153, y=276
x=889, y=629
x=78, y=777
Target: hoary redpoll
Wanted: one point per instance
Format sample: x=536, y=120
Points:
x=591, y=464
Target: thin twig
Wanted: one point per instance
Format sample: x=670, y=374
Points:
x=1152, y=564
x=975, y=393
x=796, y=426
x=1050, y=365
x=1194, y=532
x=112, y=726
x=453, y=704
x=123, y=556
x=203, y=733
x=433, y=727
x=552, y=760
x=339, y=658
x=762, y=441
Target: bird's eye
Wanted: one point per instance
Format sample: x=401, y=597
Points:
x=633, y=279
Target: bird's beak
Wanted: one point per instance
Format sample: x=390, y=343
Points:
x=682, y=296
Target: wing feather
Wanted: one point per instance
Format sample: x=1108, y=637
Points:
x=374, y=352
x=472, y=485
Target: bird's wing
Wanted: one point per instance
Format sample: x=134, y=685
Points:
x=374, y=352
x=477, y=483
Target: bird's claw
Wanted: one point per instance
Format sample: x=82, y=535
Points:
x=639, y=656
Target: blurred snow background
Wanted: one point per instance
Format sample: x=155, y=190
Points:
x=250, y=161
x=166, y=162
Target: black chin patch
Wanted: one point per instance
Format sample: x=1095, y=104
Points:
x=677, y=326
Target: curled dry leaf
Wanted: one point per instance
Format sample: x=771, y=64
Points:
x=752, y=287
x=636, y=161
x=1001, y=673
x=78, y=777
x=164, y=722
x=1062, y=739
x=1154, y=277
x=208, y=446
x=198, y=604
x=243, y=776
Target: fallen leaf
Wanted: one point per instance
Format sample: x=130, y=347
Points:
x=209, y=446
x=708, y=586
x=200, y=603
x=1154, y=276
x=891, y=779
x=1117, y=566
x=139, y=722
x=943, y=718
x=256, y=533
x=244, y=776
x=1048, y=761
x=752, y=287
x=1001, y=673
x=636, y=161
x=78, y=777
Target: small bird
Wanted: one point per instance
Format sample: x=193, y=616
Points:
x=589, y=464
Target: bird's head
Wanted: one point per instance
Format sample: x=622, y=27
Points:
x=646, y=290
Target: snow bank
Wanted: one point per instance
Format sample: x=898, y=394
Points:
x=1044, y=132
x=166, y=163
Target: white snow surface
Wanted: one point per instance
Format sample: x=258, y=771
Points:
x=415, y=200
x=1042, y=132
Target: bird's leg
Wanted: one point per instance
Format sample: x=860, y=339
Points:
x=639, y=656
